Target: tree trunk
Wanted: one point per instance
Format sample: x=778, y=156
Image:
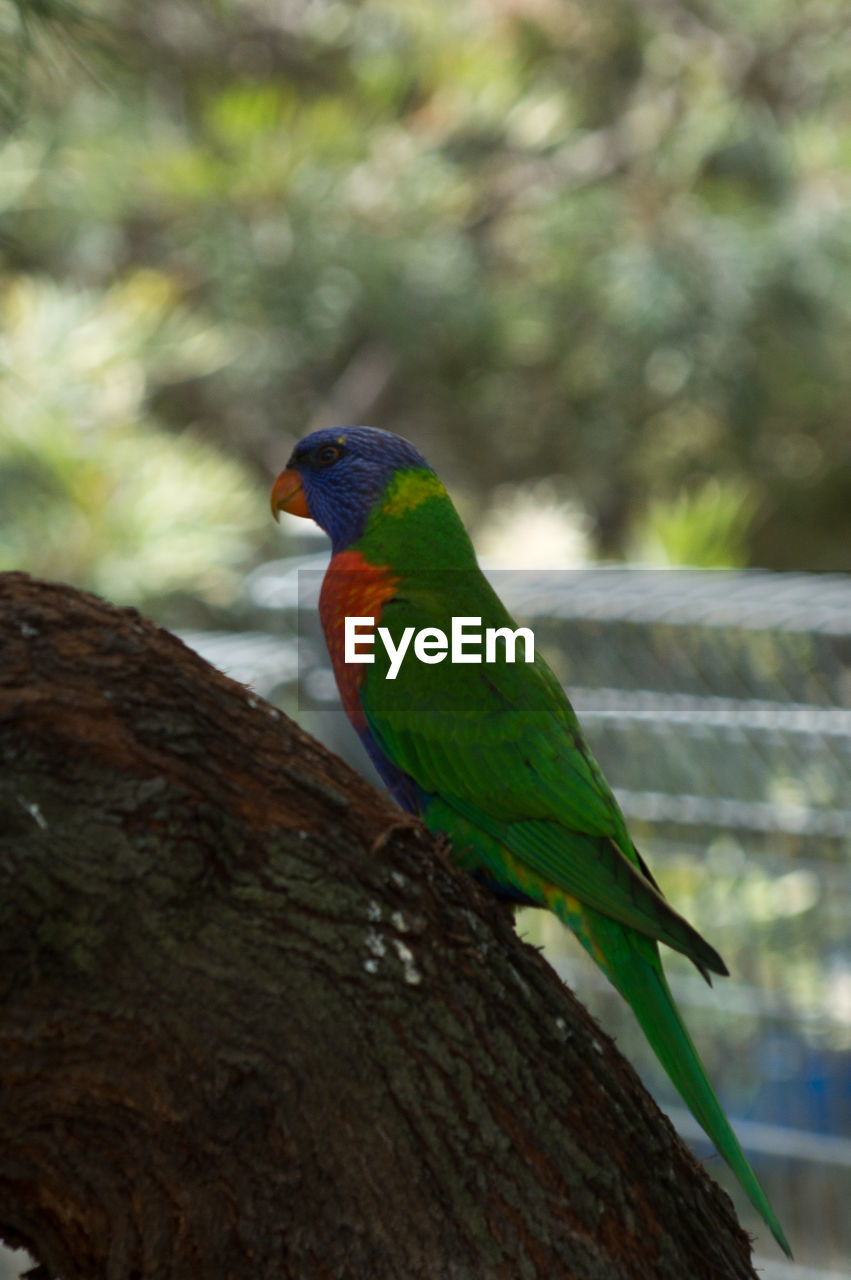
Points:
x=254, y=1025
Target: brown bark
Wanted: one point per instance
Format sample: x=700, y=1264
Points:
x=249, y=1028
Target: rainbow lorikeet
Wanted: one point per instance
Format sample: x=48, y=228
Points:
x=490, y=754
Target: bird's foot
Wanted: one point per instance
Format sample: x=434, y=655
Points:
x=407, y=822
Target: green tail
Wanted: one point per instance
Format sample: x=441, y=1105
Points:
x=642, y=984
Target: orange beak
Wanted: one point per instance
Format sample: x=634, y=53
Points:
x=288, y=495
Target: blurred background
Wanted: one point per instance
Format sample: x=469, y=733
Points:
x=594, y=259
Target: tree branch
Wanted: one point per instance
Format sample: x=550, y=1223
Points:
x=242, y=1034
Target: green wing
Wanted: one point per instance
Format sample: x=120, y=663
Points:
x=500, y=745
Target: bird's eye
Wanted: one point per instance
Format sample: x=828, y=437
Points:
x=327, y=454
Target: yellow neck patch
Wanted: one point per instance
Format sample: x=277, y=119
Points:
x=408, y=489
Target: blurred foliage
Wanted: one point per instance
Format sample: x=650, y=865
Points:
x=603, y=244
x=91, y=489
x=707, y=528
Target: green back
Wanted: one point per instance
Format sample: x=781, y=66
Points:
x=499, y=744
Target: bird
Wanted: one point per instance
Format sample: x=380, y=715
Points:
x=490, y=755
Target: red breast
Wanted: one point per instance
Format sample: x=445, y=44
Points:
x=352, y=587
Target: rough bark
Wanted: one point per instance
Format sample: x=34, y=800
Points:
x=249, y=1027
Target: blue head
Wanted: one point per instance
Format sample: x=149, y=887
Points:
x=335, y=476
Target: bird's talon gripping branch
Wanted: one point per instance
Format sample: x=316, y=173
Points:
x=407, y=822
